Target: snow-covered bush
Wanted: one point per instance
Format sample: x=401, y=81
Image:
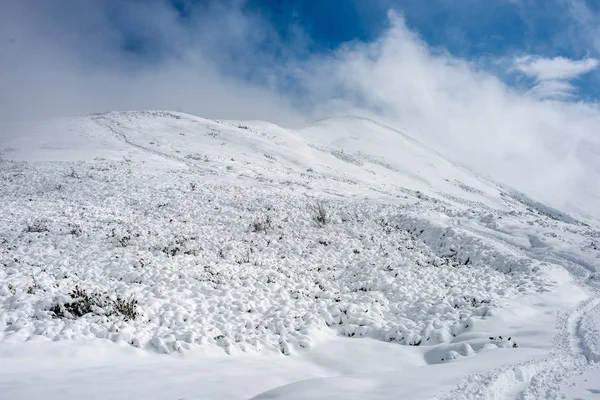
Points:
x=37, y=226
x=81, y=302
x=201, y=278
x=321, y=213
x=262, y=224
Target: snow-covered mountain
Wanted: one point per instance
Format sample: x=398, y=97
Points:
x=261, y=255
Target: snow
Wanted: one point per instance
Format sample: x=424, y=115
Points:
x=583, y=386
x=162, y=255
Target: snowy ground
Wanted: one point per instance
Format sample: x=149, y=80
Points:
x=160, y=255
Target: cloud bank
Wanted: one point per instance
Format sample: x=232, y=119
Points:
x=547, y=148
x=552, y=75
x=65, y=57
x=554, y=68
x=227, y=62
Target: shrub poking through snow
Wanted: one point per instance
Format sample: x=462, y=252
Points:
x=500, y=342
x=124, y=241
x=321, y=213
x=37, y=226
x=182, y=245
x=73, y=174
x=244, y=258
x=262, y=224
x=125, y=307
x=75, y=229
x=84, y=302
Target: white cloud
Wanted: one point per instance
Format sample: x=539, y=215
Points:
x=553, y=89
x=545, y=148
x=548, y=149
x=585, y=32
x=552, y=75
x=54, y=64
x=557, y=68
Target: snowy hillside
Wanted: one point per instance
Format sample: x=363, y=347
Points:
x=341, y=260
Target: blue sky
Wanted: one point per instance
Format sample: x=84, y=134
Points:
x=465, y=28
x=543, y=48
x=489, y=33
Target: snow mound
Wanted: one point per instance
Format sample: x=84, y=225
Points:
x=167, y=231
x=243, y=268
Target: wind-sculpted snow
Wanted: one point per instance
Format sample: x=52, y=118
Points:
x=191, y=256
x=164, y=233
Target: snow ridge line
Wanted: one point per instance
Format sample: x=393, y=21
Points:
x=107, y=123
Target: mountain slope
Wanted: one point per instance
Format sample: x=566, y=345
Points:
x=171, y=233
x=355, y=151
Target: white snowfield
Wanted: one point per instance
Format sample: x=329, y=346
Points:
x=158, y=255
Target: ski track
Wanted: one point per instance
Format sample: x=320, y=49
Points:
x=576, y=345
x=575, y=350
